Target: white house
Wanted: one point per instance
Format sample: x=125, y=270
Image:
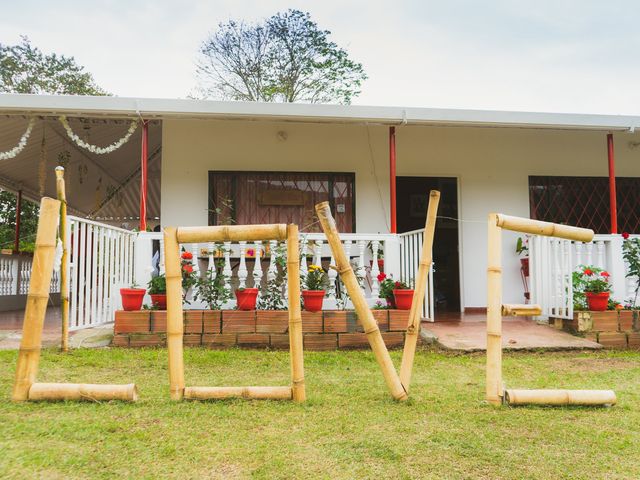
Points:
x=212, y=162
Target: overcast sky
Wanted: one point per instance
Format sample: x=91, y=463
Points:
x=546, y=55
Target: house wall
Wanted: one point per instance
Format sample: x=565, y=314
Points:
x=492, y=166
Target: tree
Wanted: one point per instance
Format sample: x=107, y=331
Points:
x=285, y=58
x=26, y=69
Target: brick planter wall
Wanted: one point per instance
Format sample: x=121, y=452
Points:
x=327, y=330
x=613, y=329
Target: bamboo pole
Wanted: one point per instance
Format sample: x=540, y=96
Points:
x=494, y=317
x=80, y=391
x=561, y=397
x=232, y=233
x=362, y=309
x=222, y=393
x=295, y=317
x=36, y=306
x=64, y=280
x=536, y=227
x=521, y=310
x=174, y=313
x=426, y=259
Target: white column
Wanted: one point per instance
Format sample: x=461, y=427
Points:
x=242, y=269
x=392, y=256
x=375, y=270
x=616, y=268
x=257, y=266
x=143, y=248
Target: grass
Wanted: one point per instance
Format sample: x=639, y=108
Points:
x=349, y=427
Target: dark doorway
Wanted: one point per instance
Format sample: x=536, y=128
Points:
x=412, y=198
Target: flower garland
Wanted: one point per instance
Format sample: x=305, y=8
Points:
x=93, y=148
x=21, y=144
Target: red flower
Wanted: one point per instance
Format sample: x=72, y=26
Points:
x=625, y=235
x=588, y=272
x=187, y=255
x=398, y=284
x=251, y=252
x=187, y=268
x=619, y=307
x=381, y=276
x=605, y=274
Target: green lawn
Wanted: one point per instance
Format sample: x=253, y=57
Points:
x=348, y=428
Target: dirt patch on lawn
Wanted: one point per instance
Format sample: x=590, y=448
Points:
x=595, y=364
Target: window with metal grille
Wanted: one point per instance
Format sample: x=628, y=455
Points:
x=247, y=198
x=584, y=202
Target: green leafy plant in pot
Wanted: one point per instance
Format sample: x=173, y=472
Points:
x=157, y=288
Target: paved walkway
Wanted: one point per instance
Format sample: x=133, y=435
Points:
x=467, y=333
x=11, y=331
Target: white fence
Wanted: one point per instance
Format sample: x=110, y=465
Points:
x=101, y=262
x=552, y=262
x=15, y=273
x=410, y=251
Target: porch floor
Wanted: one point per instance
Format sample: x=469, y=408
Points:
x=11, y=331
x=467, y=333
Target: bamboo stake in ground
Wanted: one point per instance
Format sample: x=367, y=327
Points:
x=64, y=280
x=426, y=259
x=36, y=307
x=362, y=309
x=295, y=317
x=174, y=313
x=494, y=315
x=86, y=391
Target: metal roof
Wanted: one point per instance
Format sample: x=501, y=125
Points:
x=119, y=107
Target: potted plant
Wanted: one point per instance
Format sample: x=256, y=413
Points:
x=403, y=295
x=189, y=278
x=386, y=289
x=213, y=287
x=522, y=249
x=157, y=288
x=246, y=298
x=594, y=283
x=314, y=286
x=132, y=297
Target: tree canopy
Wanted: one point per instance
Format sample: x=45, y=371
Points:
x=26, y=69
x=284, y=58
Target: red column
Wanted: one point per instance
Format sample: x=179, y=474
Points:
x=392, y=178
x=16, y=243
x=143, y=176
x=612, y=185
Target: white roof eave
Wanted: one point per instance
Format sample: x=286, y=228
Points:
x=51, y=105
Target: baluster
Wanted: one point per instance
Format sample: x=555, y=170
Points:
x=195, y=251
x=600, y=255
x=272, y=270
x=589, y=252
x=333, y=278
x=257, y=265
x=375, y=270
x=579, y=247
x=226, y=271
x=317, y=252
x=4, y=277
x=242, y=269
x=212, y=262
x=303, y=259
x=362, y=245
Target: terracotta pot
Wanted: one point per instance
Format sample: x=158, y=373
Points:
x=313, y=300
x=524, y=265
x=597, y=302
x=403, y=298
x=159, y=300
x=132, y=298
x=247, y=298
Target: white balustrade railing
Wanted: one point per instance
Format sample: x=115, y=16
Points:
x=552, y=262
x=410, y=251
x=241, y=267
x=15, y=274
x=100, y=263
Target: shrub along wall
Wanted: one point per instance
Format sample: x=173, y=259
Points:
x=612, y=328
x=326, y=330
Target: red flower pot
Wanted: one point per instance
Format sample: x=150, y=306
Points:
x=403, y=298
x=597, y=301
x=524, y=265
x=313, y=300
x=159, y=300
x=247, y=298
x=132, y=298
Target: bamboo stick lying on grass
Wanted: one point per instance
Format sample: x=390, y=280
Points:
x=359, y=302
x=175, y=327
x=536, y=227
x=222, y=393
x=232, y=233
x=560, y=397
x=295, y=317
x=83, y=391
x=426, y=258
x=37, y=298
